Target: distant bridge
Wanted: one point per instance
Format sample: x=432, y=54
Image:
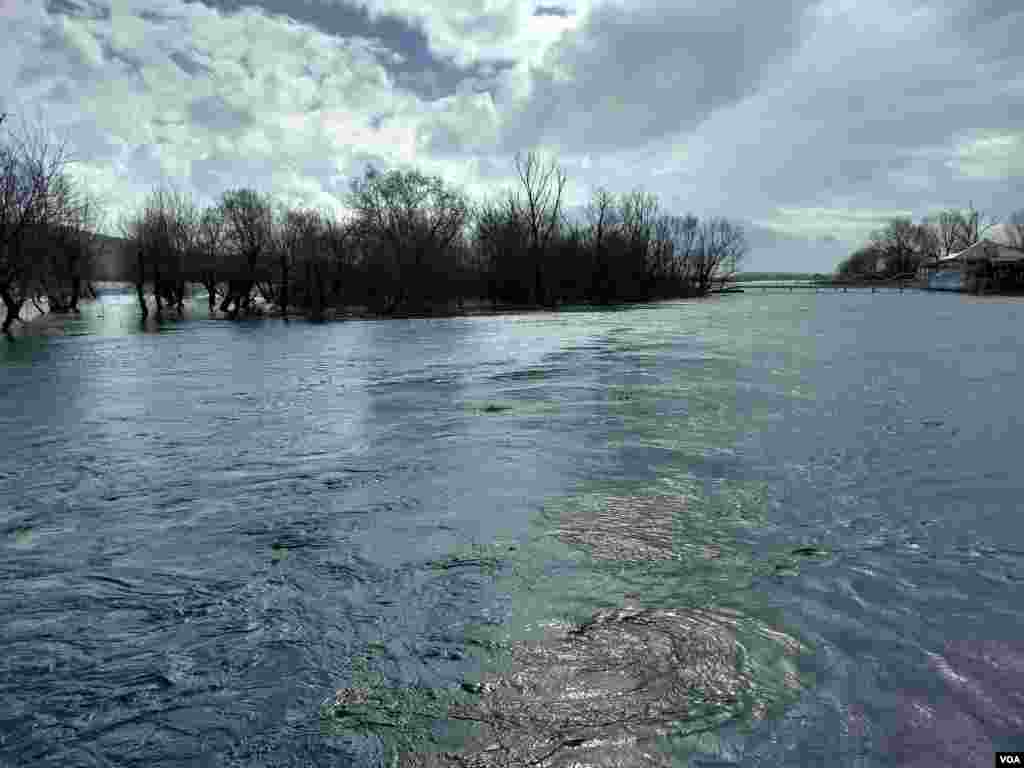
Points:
x=899, y=283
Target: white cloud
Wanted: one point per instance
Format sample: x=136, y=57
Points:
x=463, y=122
x=849, y=225
x=470, y=31
x=286, y=106
x=78, y=37
x=127, y=30
x=994, y=156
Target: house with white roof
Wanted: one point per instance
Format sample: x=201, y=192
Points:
x=986, y=265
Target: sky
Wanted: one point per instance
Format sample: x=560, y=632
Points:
x=810, y=122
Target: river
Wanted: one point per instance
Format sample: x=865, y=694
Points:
x=212, y=530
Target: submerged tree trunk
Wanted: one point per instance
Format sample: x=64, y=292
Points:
x=282, y=294
x=140, y=293
x=208, y=279
x=156, y=291
x=76, y=291
x=539, y=295
x=314, y=279
x=236, y=298
x=228, y=296
x=245, y=298
x=140, y=286
x=13, y=307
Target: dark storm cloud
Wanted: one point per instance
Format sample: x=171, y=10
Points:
x=552, y=10
x=88, y=10
x=154, y=17
x=187, y=63
x=871, y=114
x=971, y=13
x=630, y=75
x=130, y=61
x=889, y=101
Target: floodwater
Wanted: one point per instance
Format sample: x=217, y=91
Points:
x=760, y=530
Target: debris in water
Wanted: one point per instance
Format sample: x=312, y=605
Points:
x=635, y=528
x=810, y=551
x=601, y=693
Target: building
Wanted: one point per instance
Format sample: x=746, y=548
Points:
x=983, y=267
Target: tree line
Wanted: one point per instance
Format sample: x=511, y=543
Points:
x=409, y=243
x=48, y=226
x=903, y=245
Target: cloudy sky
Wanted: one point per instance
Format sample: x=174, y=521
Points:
x=810, y=121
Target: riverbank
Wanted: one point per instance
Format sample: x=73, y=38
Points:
x=31, y=320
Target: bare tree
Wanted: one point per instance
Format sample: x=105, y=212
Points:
x=250, y=228
x=500, y=238
x=1015, y=229
x=170, y=227
x=300, y=244
x=163, y=236
x=336, y=261
x=719, y=247
x=928, y=243
x=538, y=204
x=186, y=225
x=972, y=226
x=600, y=213
x=33, y=186
x=72, y=241
x=133, y=232
x=320, y=236
x=945, y=227
x=898, y=241
x=211, y=237
x=638, y=211
x=602, y=216
x=638, y=214
x=417, y=218
x=677, y=238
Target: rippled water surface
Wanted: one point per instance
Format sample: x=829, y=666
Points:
x=766, y=530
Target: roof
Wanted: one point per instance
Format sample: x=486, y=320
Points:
x=986, y=250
